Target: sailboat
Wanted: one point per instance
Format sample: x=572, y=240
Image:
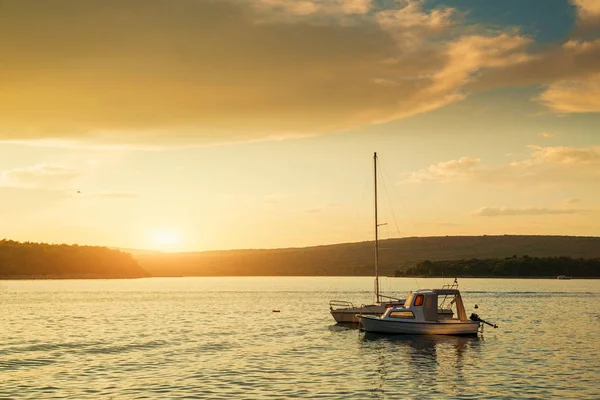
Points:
x=346, y=312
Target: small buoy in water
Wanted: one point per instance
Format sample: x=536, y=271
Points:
x=275, y=310
x=476, y=306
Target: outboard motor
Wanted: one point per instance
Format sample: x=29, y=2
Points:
x=475, y=317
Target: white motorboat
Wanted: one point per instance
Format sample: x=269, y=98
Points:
x=346, y=312
x=419, y=315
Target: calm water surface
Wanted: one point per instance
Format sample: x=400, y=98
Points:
x=218, y=338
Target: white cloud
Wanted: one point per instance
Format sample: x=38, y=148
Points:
x=504, y=211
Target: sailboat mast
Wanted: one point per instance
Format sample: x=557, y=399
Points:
x=376, y=233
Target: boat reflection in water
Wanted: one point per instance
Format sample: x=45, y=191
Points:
x=432, y=361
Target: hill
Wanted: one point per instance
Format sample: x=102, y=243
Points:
x=41, y=260
x=357, y=258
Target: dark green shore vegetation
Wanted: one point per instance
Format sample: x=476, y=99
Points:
x=524, y=266
x=41, y=260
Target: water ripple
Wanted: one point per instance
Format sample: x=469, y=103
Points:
x=182, y=338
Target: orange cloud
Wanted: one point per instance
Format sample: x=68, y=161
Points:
x=573, y=96
x=588, y=16
x=151, y=72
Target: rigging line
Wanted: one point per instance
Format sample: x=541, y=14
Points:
x=359, y=210
x=389, y=201
x=442, y=275
x=405, y=207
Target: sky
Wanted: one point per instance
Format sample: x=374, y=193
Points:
x=191, y=125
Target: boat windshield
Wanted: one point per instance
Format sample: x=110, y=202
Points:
x=409, y=300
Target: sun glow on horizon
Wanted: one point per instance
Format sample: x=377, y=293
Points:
x=164, y=239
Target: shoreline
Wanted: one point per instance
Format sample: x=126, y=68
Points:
x=97, y=277
x=68, y=277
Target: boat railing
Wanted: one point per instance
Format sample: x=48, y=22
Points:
x=454, y=285
x=390, y=298
x=333, y=304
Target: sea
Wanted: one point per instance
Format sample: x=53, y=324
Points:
x=273, y=338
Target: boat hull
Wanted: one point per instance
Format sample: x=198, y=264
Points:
x=442, y=327
x=348, y=315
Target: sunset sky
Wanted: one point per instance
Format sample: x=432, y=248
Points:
x=188, y=125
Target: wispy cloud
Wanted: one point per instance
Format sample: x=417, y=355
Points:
x=79, y=145
x=315, y=210
x=46, y=176
x=544, y=164
x=301, y=8
x=446, y=170
x=561, y=155
x=504, y=211
x=319, y=209
x=546, y=135
x=112, y=195
x=278, y=198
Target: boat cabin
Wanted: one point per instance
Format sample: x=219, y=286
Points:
x=425, y=305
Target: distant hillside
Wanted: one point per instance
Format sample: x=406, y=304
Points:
x=41, y=260
x=135, y=252
x=358, y=258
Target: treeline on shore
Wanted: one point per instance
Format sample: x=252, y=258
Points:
x=42, y=260
x=524, y=266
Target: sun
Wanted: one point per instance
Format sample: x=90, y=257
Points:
x=163, y=239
